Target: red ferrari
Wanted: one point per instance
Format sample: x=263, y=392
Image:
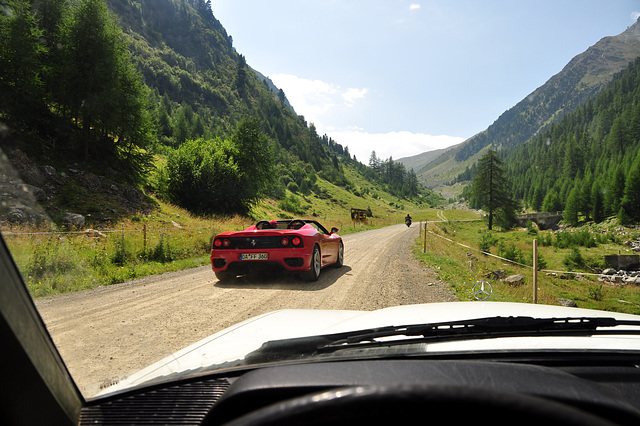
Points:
x=297, y=245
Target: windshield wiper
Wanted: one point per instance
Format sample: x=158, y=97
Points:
x=481, y=328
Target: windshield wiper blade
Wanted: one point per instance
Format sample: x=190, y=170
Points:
x=480, y=328
x=487, y=328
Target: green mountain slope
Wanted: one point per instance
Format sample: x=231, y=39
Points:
x=583, y=77
x=587, y=164
x=107, y=92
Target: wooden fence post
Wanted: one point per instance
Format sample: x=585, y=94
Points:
x=424, y=249
x=535, y=271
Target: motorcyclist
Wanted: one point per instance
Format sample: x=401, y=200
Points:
x=407, y=219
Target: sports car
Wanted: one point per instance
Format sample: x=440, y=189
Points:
x=302, y=246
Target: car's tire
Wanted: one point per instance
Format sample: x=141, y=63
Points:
x=224, y=276
x=340, y=260
x=316, y=265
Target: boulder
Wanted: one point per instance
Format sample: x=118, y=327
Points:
x=73, y=220
x=514, y=280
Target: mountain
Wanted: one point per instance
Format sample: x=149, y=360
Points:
x=416, y=162
x=128, y=88
x=583, y=77
x=273, y=88
x=588, y=163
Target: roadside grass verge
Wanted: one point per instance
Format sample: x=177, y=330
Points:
x=455, y=250
x=54, y=261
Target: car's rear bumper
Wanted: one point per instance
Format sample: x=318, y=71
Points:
x=290, y=260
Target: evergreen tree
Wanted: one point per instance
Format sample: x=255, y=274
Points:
x=491, y=188
x=631, y=199
x=597, y=203
x=20, y=61
x=102, y=89
x=572, y=206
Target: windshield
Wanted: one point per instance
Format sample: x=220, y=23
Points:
x=203, y=181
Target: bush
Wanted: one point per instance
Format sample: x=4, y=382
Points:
x=162, y=252
x=510, y=252
x=50, y=259
x=220, y=176
x=573, y=259
x=291, y=204
x=487, y=240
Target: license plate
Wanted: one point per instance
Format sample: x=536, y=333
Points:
x=254, y=256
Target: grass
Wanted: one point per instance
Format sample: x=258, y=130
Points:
x=455, y=251
x=53, y=262
x=169, y=238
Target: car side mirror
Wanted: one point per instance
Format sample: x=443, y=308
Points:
x=334, y=230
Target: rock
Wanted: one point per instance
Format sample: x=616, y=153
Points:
x=90, y=181
x=609, y=271
x=514, y=280
x=498, y=275
x=568, y=303
x=50, y=173
x=632, y=280
x=73, y=220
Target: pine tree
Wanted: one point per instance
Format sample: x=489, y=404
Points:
x=572, y=206
x=631, y=199
x=491, y=188
x=20, y=62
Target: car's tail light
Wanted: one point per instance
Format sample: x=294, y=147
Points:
x=296, y=241
x=217, y=243
x=284, y=241
x=225, y=243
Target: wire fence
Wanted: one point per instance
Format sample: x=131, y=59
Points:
x=486, y=253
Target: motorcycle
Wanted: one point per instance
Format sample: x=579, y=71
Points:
x=407, y=222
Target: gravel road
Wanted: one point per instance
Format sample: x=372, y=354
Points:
x=109, y=332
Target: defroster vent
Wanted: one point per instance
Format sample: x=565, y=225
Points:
x=185, y=404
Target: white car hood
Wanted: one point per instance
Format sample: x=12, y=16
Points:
x=235, y=342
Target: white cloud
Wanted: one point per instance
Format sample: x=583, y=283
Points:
x=319, y=102
x=397, y=144
x=315, y=98
x=350, y=96
x=414, y=6
x=635, y=16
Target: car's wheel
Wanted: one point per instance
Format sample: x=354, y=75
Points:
x=316, y=265
x=340, y=260
x=224, y=275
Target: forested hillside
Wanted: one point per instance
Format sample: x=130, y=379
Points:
x=583, y=77
x=122, y=85
x=587, y=164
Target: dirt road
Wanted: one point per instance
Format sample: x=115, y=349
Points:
x=109, y=332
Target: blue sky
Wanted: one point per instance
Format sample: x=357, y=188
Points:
x=404, y=77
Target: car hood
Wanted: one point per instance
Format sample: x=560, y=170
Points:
x=234, y=343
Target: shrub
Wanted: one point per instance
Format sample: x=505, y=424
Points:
x=573, y=259
x=291, y=204
x=510, y=252
x=487, y=240
x=220, y=176
x=162, y=252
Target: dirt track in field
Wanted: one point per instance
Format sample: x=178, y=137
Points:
x=109, y=332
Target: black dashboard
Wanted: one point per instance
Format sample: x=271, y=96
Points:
x=383, y=391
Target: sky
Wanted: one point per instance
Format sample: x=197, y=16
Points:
x=404, y=77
